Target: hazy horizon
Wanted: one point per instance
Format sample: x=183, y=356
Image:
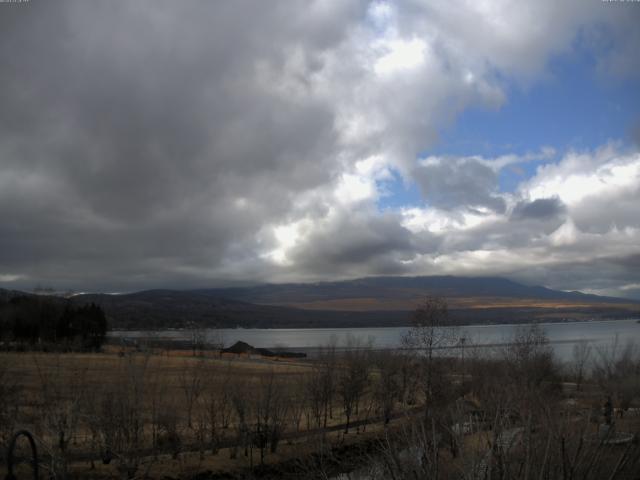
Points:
x=238, y=284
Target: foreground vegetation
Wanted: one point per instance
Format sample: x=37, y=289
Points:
x=416, y=413
x=46, y=323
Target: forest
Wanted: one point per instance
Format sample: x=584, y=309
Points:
x=45, y=323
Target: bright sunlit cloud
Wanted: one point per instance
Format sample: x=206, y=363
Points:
x=401, y=55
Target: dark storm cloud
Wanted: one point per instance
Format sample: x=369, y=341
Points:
x=351, y=241
x=601, y=213
x=141, y=134
x=631, y=261
x=453, y=182
x=539, y=209
x=614, y=276
x=505, y=233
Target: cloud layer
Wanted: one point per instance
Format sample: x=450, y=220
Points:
x=158, y=143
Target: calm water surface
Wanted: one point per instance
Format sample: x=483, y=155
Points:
x=562, y=336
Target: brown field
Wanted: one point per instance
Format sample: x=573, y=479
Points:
x=170, y=414
x=56, y=392
x=103, y=369
x=398, y=304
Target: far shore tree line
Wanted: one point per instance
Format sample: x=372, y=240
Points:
x=42, y=323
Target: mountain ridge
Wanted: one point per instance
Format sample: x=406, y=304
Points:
x=382, y=286
x=364, y=302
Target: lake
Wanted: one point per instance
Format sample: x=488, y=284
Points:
x=562, y=336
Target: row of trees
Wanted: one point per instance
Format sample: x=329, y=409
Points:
x=516, y=419
x=513, y=402
x=30, y=321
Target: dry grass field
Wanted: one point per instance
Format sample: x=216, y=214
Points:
x=365, y=304
x=171, y=414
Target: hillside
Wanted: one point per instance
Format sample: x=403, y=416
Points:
x=377, y=301
x=403, y=293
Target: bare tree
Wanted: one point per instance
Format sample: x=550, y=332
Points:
x=431, y=329
x=169, y=428
x=158, y=403
x=215, y=338
x=268, y=413
x=353, y=378
x=617, y=371
x=216, y=407
x=61, y=394
x=530, y=359
x=197, y=338
x=532, y=373
x=297, y=401
x=225, y=407
x=314, y=395
x=386, y=382
x=239, y=396
x=408, y=384
x=410, y=453
x=122, y=416
x=327, y=361
x=192, y=384
x=10, y=400
x=580, y=359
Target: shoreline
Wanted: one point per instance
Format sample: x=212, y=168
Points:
x=111, y=333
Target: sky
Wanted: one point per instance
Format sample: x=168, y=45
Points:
x=164, y=144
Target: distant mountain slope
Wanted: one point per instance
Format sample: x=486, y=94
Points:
x=162, y=308
x=377, y=301
x=177, y=308
x=401, y=288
